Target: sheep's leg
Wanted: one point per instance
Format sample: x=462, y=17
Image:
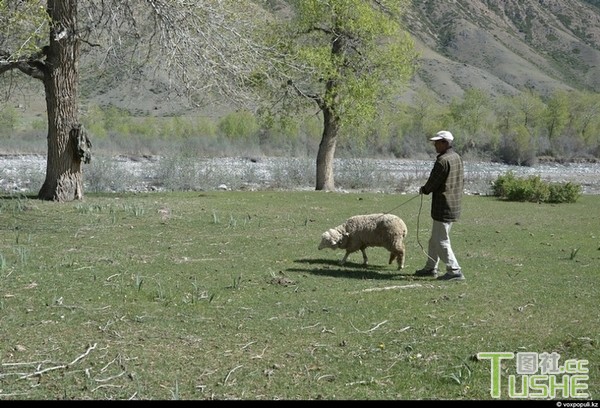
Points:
x=401, y=256
x=343, y=260
x=364, y=253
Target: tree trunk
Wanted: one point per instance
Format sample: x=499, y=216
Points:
x=326, y=151
x=331, y=125
x=64, y=179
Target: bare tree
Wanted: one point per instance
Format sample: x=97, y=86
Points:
x=203, y=47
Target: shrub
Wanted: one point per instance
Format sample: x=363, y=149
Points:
x=564, y=193
x=533, y=189
x=238, y=125
x=9, y=118
x=517, y=149
x=294, y=173
x=103, y=174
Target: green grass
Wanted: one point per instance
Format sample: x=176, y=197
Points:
x=224, y=295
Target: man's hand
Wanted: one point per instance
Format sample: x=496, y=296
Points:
x=421, y=190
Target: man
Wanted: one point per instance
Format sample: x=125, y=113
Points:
x=446, y=184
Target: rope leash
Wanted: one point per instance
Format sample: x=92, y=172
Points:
x=418, y=241
x=407, y=201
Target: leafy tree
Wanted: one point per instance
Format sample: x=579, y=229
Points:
x=520, y=118
x=427, y=113
x=345, y=57
x=473, y=111
x=557, y=113
x=530, y=108
x=203, y=47
x=517, y=147
x=585, y=112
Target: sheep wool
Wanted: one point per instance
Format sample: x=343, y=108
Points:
x=368, y=230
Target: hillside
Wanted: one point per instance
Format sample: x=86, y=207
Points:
x=506, y=46
x=501, y=47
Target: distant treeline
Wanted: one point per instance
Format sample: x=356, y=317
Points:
x=518, y=129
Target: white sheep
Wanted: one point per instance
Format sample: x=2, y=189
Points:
x=371, y=230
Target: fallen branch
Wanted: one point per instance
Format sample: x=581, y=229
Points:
x=22, y=364
x=371, y=329
x=261, y=354
x=90, y=348
x=231, y=372
x=110, y=378
x=62, y=366
x=412, y=285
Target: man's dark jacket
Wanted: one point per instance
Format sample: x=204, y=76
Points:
x=446, y=184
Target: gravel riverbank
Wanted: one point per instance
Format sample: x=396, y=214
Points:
x=25, y=173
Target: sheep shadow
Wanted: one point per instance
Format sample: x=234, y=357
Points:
x=352, y=270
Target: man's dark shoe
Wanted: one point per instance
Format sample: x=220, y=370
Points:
x=427, y=273
x=452, y=276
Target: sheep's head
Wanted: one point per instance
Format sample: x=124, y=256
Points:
x=331, y=239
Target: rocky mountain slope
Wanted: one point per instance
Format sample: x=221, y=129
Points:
x=506, y=46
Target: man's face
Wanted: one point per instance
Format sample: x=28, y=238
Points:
x=440, y=146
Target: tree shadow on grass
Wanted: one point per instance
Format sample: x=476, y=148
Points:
x=18, y=196
x=352, y=270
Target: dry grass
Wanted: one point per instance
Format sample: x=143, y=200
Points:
x=223, y=295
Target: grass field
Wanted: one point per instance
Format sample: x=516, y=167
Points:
x=224, y=295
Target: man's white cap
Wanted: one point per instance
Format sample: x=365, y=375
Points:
x=443, y=135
